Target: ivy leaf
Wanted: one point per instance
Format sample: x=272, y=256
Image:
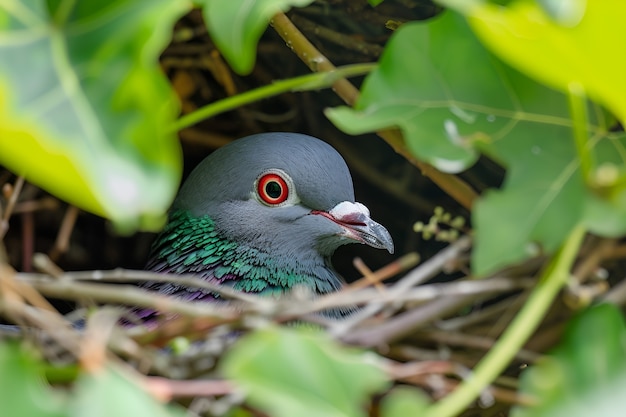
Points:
x=586, y=374
x=22, y=389
x=404, y=401
x=560, y=43
x=105, y=392
x=297, y=372
x=84, y=107
x=452, y=99
x=108, y=392
x=237, y=25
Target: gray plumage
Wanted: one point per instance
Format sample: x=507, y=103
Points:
x=221, y=228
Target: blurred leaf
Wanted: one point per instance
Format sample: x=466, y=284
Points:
x=560, y=43
x=297, y=372
x=451, y=98
x=107, y=392
x=404, y=401
x=23, y=392
x=237, y=25
x=421, y=84
x=84, y=107
x=586, y=374
x=240, y=412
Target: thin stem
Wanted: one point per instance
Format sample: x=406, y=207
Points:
x=578, y=112
x=313, y=81
x=311, y=56
x=61, y=374
x=63, y=12
x=15, y=193
x=525, y=323
x=317, y=62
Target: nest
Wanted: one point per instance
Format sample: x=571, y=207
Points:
x=424, y=313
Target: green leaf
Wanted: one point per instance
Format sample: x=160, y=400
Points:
x=451, y=98
x=560, y=43
x=84, y=107
x=409, y=91
x=105, y=392
x=298, y=372
x=22, y=389
x=237, y=25
x=108, y=392
x=586, y=374
x=404, y=401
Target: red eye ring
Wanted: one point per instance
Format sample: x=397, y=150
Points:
x=272, y=189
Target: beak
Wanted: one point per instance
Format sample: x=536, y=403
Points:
x=355, y=220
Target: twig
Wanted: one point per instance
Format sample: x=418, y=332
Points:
x=65, y=232
x=43, y=263
x=394, y=268
x=98, y=331
x=405, y=370
x=368, y=274
x=471, y=341
x=192, y=328
x=431, y=267
x=135, y=276
x=128, y=295
x=348, y=42
x=28, y=241
x=17, y=289
x=311, y=56
x=40, y=313
x=52, y=325
x=420, y=274
x=488, y=397
x=421, y=373
x=420, y=294
x=618, y=252
x=166, y=389
x=70, y=286
x=317, y=62
x=511, y=341
x=29, y=206
x=301, y=83
x=616, y=295
x=14, y=193
x=383, y=182
x=495, y=310
x=600, y=251
x=211, y=140
x=407, y=322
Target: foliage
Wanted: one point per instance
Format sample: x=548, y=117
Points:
x=450, y=111
x=86, y=114
x=563, y=43
x=586, y=374
x=225, y=20
x=289, y=372
x=102, y=392
x=403, y=401
x=20, y=383
x=97, y=126
x=84, y=108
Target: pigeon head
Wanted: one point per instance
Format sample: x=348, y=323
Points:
x=285, y=191
x=265, y=213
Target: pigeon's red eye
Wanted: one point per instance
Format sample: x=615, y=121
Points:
x=272, y=189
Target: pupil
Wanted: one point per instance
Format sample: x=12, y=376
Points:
x=273, y=189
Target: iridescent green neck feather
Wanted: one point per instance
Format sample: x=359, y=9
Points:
x=194, y=245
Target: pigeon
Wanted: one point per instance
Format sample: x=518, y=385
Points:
x=263, y=215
